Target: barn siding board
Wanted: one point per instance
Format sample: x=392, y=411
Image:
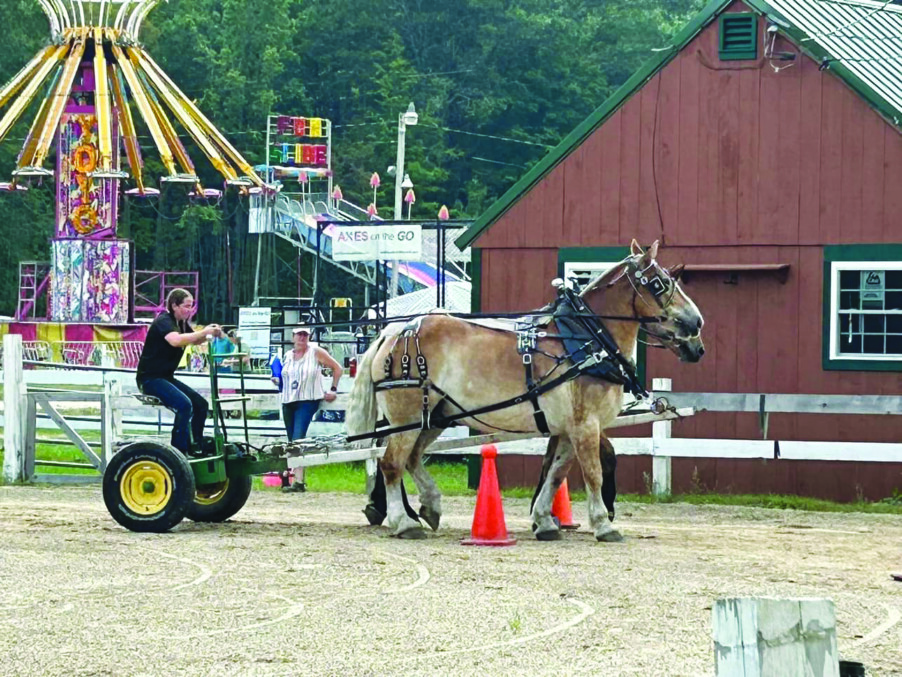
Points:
x=747, y=195
x=610, y=186
x=629, y=172
x=873, y=147
x=728, y=155
x=789, y=108
x=649, y=226
x=810, y=153
x=831, y=159
x=667, y=149
x=706, y=230
x=892, y=195
x=852, y=167
x=581, y=203
x=687, y=183
x=770, y=216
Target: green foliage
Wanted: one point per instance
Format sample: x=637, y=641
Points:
x=497, y=83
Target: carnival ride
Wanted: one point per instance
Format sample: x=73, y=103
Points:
x=88, y=80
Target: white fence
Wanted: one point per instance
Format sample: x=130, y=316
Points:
x=661, y=446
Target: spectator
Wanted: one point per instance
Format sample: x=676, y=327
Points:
x=302, y=388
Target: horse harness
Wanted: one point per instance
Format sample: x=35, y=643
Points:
x=587, y=342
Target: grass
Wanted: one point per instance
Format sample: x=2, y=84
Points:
x=451, y=479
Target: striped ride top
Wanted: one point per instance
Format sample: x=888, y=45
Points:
x=301, y=377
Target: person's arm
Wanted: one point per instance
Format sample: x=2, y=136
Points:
x=326, y=360
x=178, y=340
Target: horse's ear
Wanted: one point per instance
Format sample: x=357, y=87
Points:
x=676, y=272
x=635, y=249
x=652, y=251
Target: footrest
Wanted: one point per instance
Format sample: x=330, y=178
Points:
x=238, y=398
x=149, y=399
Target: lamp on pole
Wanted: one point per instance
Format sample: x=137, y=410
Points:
x=409, y=118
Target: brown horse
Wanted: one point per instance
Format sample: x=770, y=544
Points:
x=470, y=367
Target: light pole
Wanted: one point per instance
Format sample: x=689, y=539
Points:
x=404, y=119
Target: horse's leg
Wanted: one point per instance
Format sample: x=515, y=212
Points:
x=558, y=459
x=588, y=445
x=608, y=475
x=392, y=465
x=546, y=466
x=430, y=496
x=377, y=507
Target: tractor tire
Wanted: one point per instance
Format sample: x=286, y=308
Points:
x=218, y=502
x=148, y=487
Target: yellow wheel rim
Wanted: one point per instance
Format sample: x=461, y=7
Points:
x=211, y=493
x=146, y=488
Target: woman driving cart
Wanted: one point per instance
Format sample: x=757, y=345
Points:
x=166, y=340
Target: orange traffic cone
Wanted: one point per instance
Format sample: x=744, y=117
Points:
x=488, y=518
x=561, y=507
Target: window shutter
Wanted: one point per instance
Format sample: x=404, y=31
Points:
x=738, y=37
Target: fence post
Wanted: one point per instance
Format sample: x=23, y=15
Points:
x=110, y=417
x=755, y=636
x=14, y=409
x=660, y=430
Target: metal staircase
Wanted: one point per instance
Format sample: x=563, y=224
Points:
x=296, y=221
x=34, y=283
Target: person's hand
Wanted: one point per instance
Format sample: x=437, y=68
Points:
x=330, y=396
x=275, y=380
x=210, y=330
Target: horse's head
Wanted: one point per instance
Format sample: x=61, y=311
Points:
x=669, y=314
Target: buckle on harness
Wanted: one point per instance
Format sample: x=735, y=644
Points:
x=527, y=358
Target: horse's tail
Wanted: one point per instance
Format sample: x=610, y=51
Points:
x=360, y=416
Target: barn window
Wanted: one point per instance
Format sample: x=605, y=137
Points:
x=864, y=301
x=738, y=36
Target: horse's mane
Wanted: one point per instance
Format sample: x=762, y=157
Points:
x=609, y=276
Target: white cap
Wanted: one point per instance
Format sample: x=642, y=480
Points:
x=298, y=330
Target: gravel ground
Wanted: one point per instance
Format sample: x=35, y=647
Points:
x=297, y=584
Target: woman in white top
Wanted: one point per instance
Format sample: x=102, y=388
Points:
x=302, y=386
x=302, y=383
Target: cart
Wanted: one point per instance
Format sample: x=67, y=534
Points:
x=150, y=486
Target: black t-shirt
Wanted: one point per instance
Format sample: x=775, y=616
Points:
x=160, y=359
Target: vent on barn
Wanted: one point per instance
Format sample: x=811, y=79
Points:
x=738, y=37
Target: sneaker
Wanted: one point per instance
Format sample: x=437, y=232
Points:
x=295, y=488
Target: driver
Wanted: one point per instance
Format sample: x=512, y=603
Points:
x=166, y=340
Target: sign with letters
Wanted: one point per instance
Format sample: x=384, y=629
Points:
x=253, y=328
x=375, y=243
x=873, y=286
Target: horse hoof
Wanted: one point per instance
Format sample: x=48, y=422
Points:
x=431, y=517
x=373, y=516
x=548, y=535
x=414, y=534
x=610, y=537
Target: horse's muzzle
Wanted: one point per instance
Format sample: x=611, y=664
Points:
x=691, y=350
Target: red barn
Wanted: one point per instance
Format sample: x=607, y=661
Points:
x=762, y=148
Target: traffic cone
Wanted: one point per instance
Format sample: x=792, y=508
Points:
x=488, y=518
x=561, y=507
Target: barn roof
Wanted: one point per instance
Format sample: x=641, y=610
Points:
x=859, y=40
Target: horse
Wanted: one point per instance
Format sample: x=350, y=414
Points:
x=466, y=369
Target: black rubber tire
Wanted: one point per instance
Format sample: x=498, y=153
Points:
x=228, y=500
x=170, y=466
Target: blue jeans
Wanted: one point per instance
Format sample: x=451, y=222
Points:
x=297, y=417
x=189, y=407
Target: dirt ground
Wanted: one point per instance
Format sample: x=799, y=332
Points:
x=298, y=585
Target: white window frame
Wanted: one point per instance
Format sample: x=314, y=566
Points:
x=835, y=268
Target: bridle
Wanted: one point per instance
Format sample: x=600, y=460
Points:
x=656, y=281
